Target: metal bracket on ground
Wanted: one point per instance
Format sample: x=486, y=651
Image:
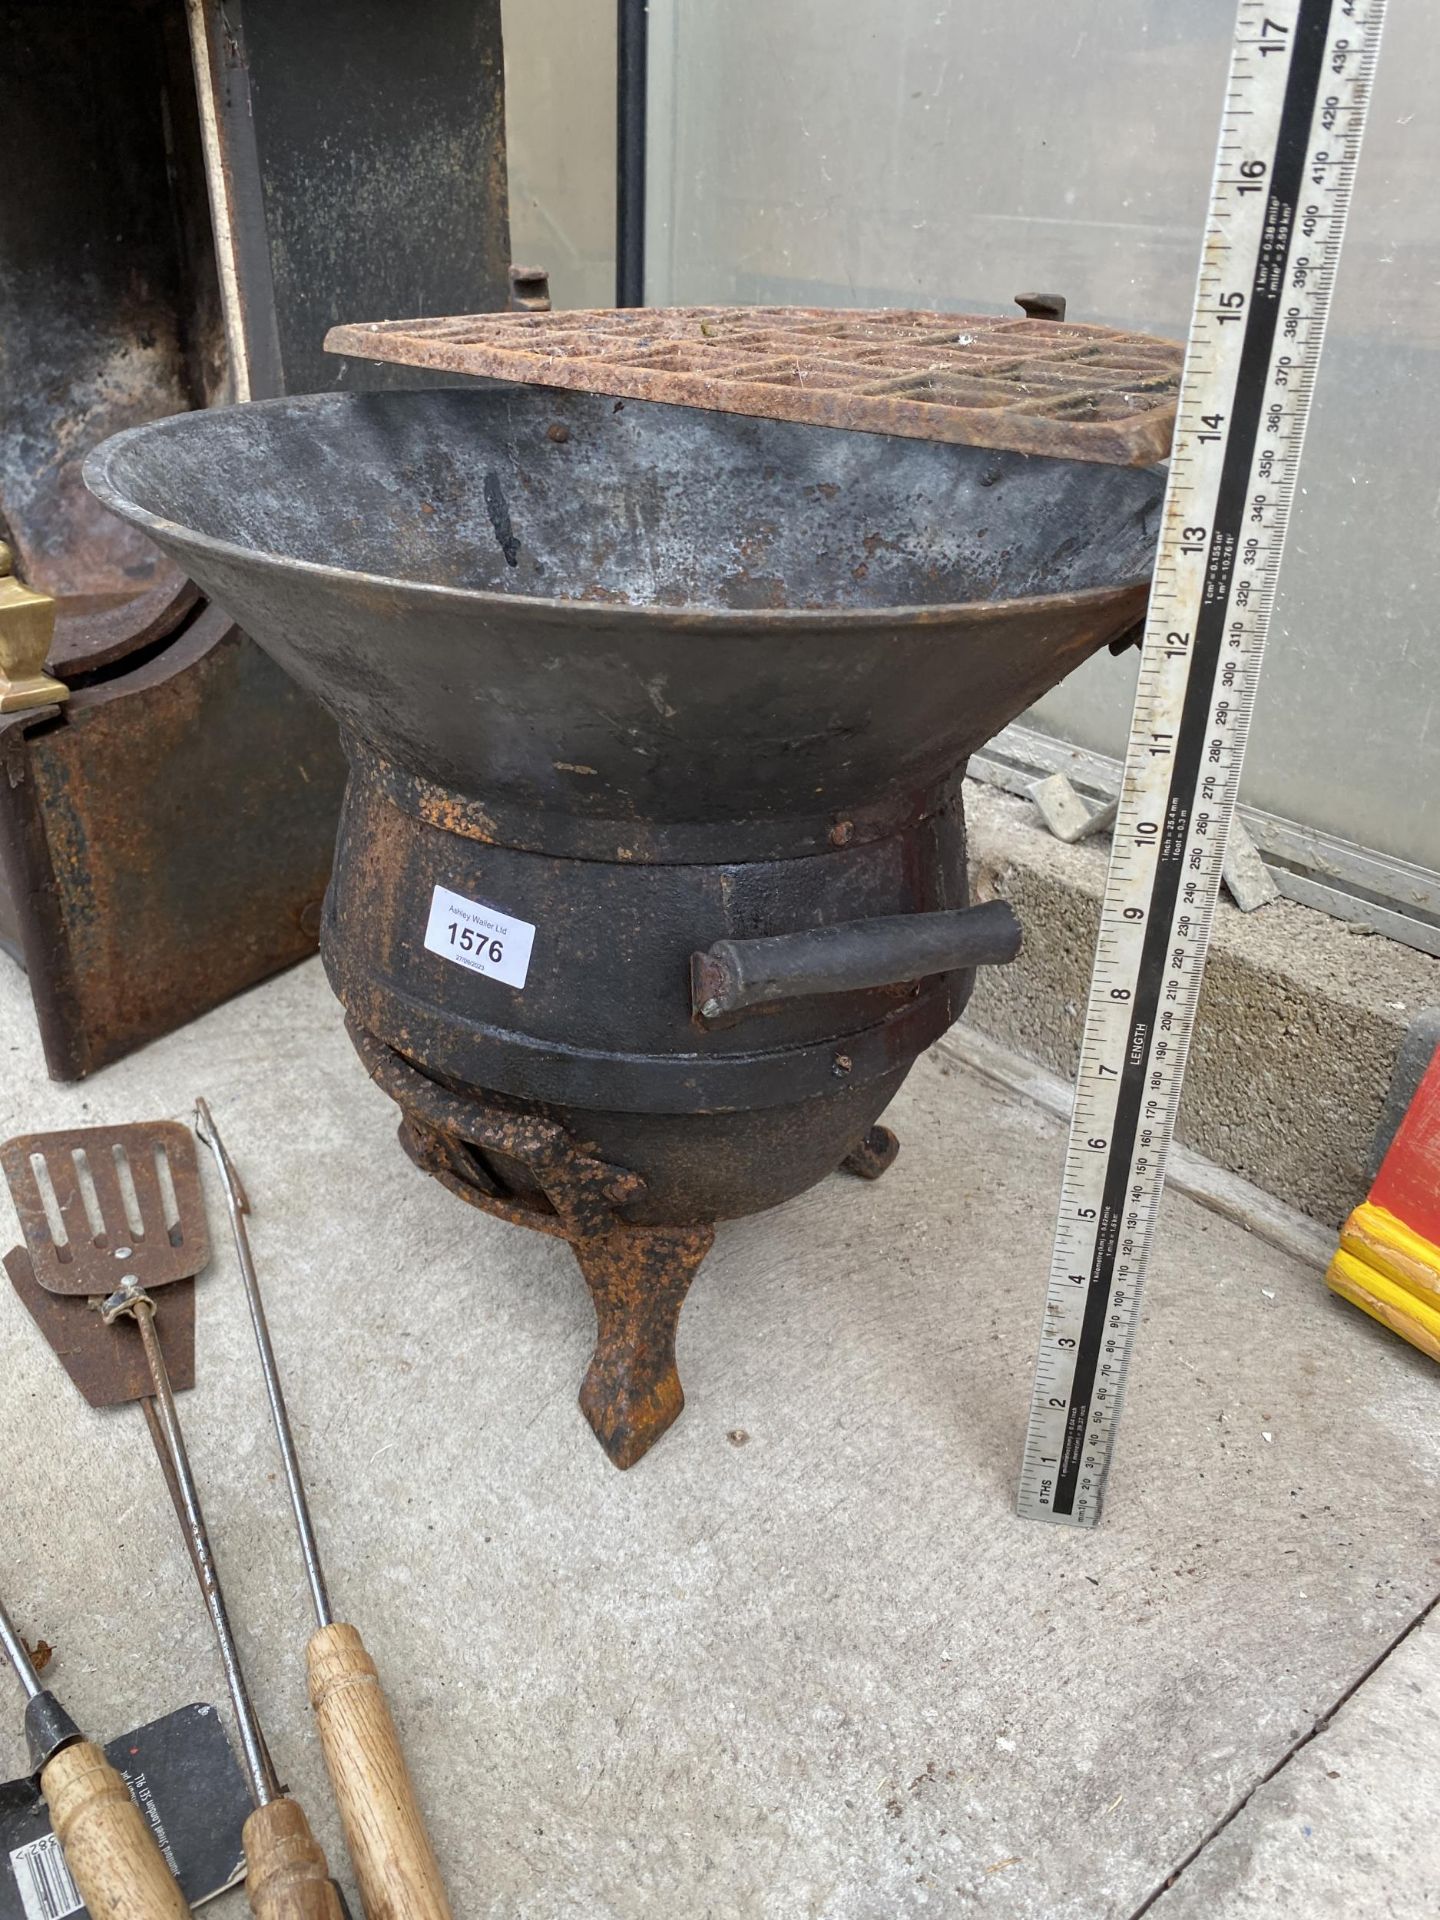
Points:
x=1351, y=883
x=1245, y=875
x=1066, y=814
x=1070, y=817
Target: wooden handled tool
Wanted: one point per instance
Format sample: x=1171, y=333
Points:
x=385, y=1831
x=119, y=1217
x=384, y=1828
x=110, y=1850
x=286, y=1874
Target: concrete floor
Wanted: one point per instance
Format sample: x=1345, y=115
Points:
x=802, y=1660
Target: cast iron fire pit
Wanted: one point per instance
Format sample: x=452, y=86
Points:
x=651, y=884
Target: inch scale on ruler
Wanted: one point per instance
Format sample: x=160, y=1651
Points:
x=1295, y=108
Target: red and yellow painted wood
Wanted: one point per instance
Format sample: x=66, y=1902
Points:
x=1388, y=1260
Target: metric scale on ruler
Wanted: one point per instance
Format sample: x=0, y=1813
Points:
x=1295, y=109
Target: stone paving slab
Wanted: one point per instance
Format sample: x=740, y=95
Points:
x=1346, y=1829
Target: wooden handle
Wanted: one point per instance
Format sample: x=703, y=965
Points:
x=394, y=1861
x=112, y=1854
x=286, y=1873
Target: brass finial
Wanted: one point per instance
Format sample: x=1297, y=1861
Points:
x=27, y=632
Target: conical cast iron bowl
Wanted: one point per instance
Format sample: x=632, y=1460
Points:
x=650, y=884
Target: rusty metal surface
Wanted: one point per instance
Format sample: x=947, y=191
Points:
x=529, y=289
x=107, y=1364
x=1039, y=386
x=156, y=858
x=875, y=1155
x=643, y=716
x=581, y=1190
x=31, y=929
x=462, y=1172
x=98, y=1202
x=109, y=309
x=159, y=855
x=638, y=1275
x=638, y=1279
x=96, y=632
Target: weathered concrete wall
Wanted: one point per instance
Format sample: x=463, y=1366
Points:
x=1300, y=1017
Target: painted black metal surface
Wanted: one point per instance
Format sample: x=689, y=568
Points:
x=183, y=1775
x=732, y=664
x=710, y=619
x=366, y=151
x=849, y=956
x=645, y=682
x=632, y=100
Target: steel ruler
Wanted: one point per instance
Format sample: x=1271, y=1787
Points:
x=1295, y=106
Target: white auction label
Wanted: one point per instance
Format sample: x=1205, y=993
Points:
x=46, y=1890
x=479, y=937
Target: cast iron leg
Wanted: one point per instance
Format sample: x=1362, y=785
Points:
x=874, y=1154
x=638, y=1278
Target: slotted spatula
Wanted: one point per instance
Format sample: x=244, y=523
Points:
x=96, y=1205
x=110, y=1213
x=98, y=1201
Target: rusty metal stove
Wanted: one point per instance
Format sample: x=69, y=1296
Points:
x=689, y=693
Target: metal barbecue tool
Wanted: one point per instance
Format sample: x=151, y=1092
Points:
x=110, y=1851
x=384, y=1827
x=110, y=1213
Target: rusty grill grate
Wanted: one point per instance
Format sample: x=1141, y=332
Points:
x=1042, y=386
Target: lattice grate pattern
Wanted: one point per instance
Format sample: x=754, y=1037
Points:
x=1052, y=387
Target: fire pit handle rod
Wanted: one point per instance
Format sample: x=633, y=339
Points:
x=850, y=956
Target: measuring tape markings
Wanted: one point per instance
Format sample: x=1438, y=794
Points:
x=1213, y=592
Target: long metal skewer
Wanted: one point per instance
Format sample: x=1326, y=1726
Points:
x=131, y=1298
x=238, y=1204
x=394, y=1860
x=48, y=1727
x=287, y=1876
x=18, y=1655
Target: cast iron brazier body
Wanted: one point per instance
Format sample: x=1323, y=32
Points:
x=681, y=700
